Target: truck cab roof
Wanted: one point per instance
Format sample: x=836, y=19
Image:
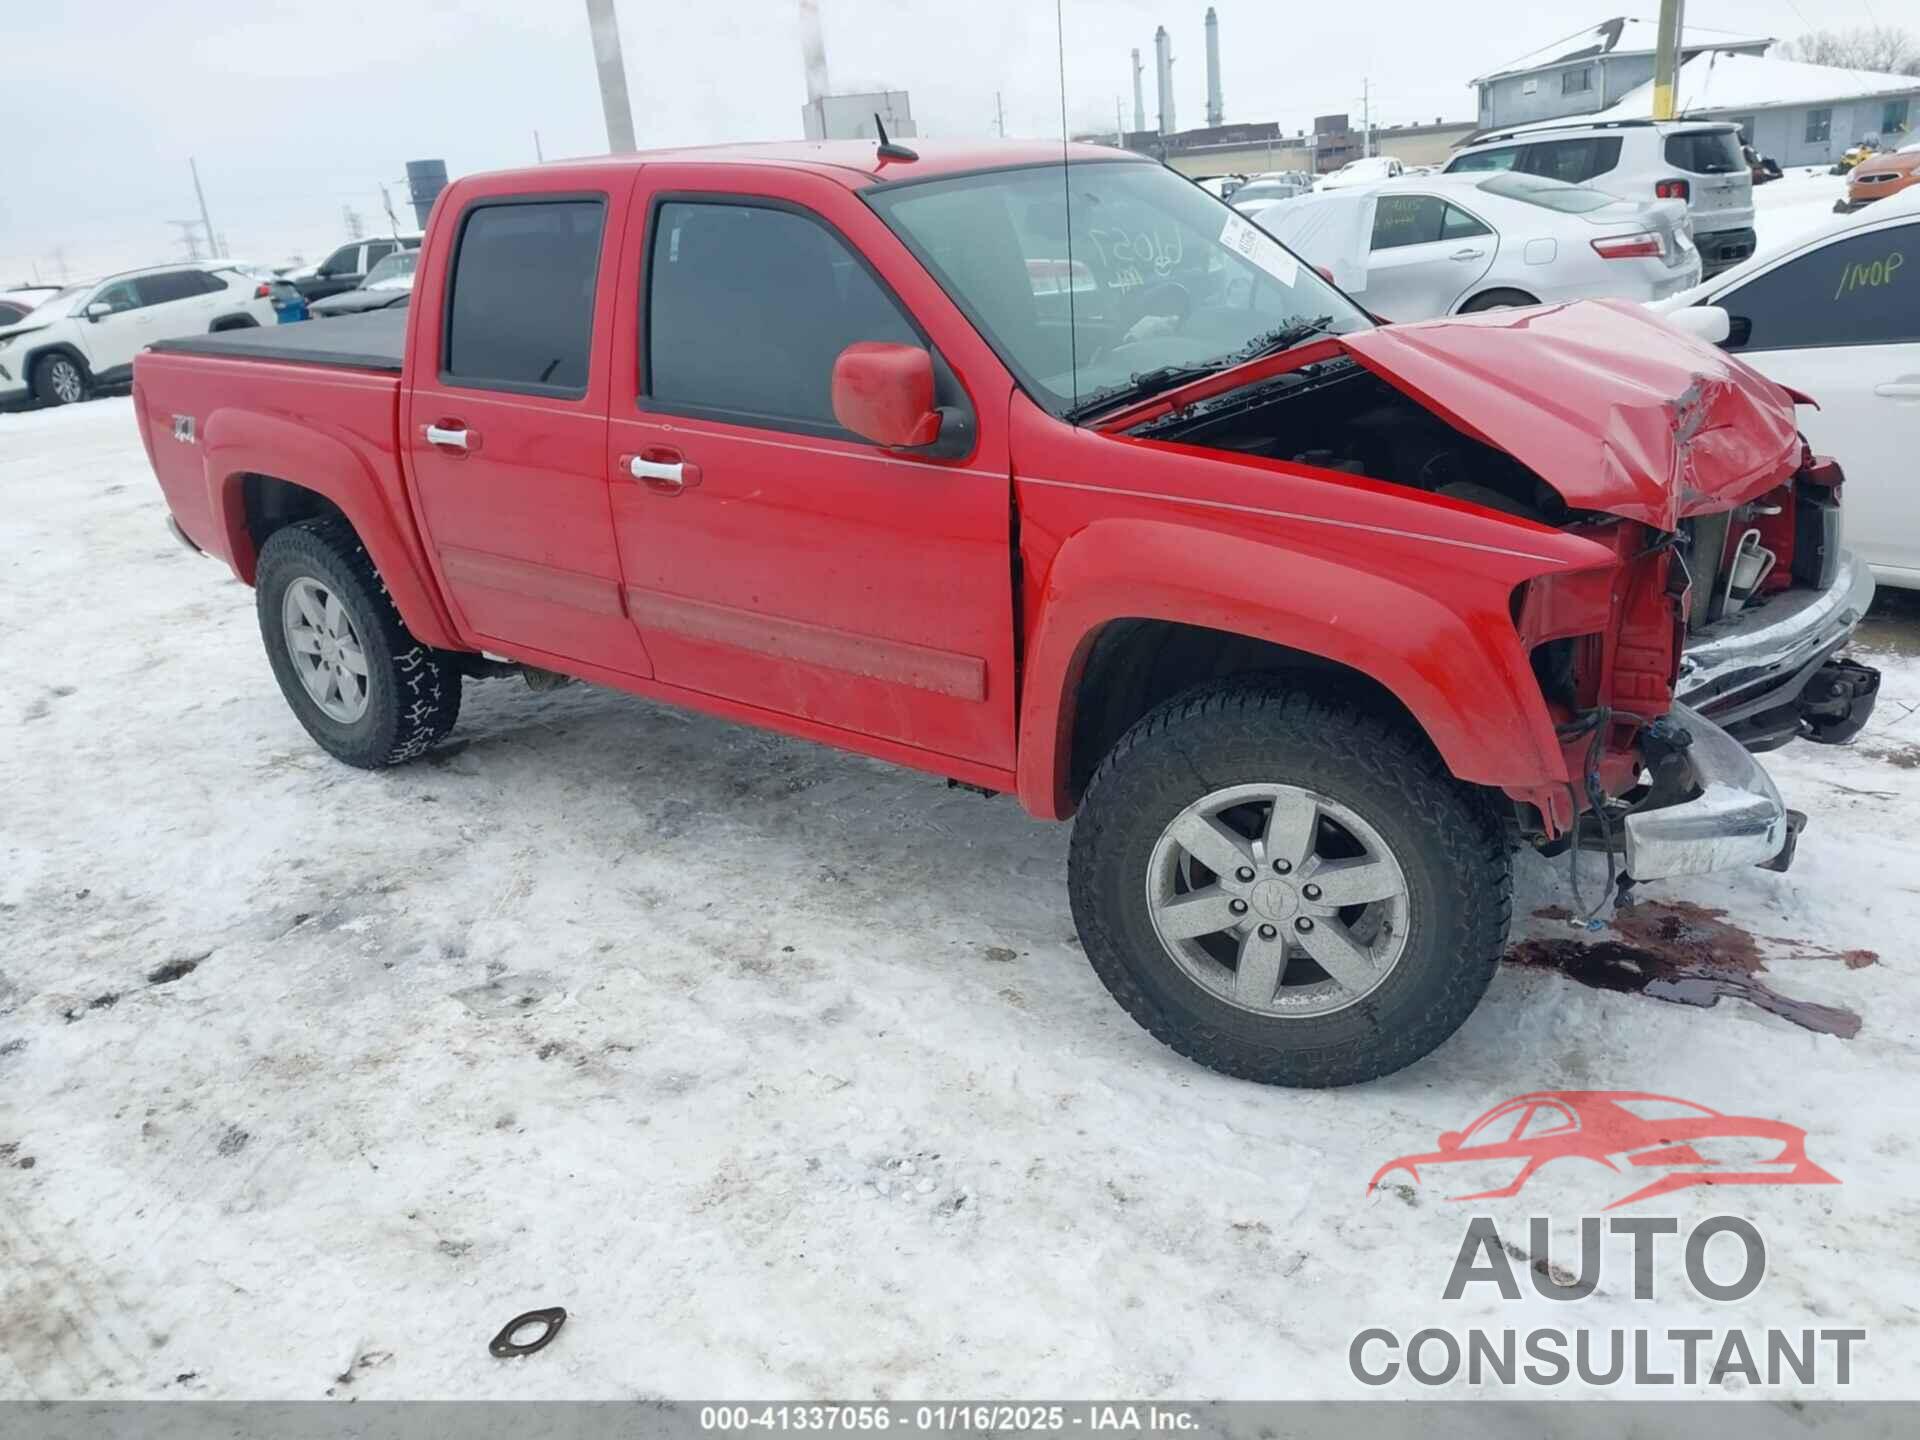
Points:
x=854, y=163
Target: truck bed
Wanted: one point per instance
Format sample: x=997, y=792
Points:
x=374, y=341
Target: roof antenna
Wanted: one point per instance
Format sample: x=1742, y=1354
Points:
x=888, y=150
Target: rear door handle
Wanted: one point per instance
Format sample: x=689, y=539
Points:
x=1907, y=387
x=662, y=470
x=1468, y=254
x=449, y=437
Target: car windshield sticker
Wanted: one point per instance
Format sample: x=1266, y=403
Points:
x=1250, y=242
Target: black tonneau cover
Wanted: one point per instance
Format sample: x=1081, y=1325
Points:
x=351, y=342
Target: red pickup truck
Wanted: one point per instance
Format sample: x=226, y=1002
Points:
x=1052, y=475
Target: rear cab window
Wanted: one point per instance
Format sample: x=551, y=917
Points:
x=1705, y=152
x=519, y=310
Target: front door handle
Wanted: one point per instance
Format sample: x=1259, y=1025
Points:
x=661, y=469
x=1907, y=387
x=449, y=437
x=1468, y=254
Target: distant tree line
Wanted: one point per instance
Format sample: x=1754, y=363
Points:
x=1887, y=49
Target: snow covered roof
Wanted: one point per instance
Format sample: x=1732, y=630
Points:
x=1720, y=83
x=1622, y=35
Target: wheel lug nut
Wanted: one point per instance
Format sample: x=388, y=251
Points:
x=1267, y=932
x=1281, y=867
x=1238, y=907
x=1312, y=892
x=1243, y=874
x=1303, y=924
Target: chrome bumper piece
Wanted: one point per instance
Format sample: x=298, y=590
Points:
x=1746, y=656
x=1735, y=819
x=173, y=529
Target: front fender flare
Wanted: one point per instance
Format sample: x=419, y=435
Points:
x=1453, y=659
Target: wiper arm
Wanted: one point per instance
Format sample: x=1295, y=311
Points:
x=1166, y=377
x=1141, y=385
x=1284, y=338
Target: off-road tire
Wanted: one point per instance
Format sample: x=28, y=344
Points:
x=48, y=373
x=413, y=690
x=1448, y=840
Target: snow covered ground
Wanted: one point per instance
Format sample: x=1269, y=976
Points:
x=781, y=1070
x=1795, y=205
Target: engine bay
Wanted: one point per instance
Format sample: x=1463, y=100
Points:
x=1338, y=415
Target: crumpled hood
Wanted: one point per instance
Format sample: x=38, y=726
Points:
x=1609, y=405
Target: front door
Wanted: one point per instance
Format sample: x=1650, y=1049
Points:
x=1425, y=255
x=113, y=339
x=771, y=557
x=1841, y=323
x=506, y=425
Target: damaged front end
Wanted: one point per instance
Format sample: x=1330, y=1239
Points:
x=1714, y=627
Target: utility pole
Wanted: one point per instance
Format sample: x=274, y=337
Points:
x=189, y=236
x=613, y=76
x=350, y=218
x=1000, y=115
x=1666, y=57
x=1366, y=118
x=1119, y=126
x=538, y=157
x=201, y=196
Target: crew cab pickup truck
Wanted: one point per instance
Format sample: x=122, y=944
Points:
x=1055, y=476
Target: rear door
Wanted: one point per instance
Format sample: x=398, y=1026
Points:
x=772, y=558
x=505, y=426
x=1841, y=323
x=178, y=302
x=1426, y=254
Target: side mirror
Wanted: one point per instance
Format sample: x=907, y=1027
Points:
x=99, y=310
x=1704, y=322
x=1450, y=1140
x=884, y=393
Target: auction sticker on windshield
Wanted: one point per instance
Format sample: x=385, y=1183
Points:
x=1250, y=242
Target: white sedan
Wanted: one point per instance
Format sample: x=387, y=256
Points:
x=1415, y=248
x=1836, y=316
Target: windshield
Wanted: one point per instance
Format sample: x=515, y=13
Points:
x=394, y=271
x=1152, y=273
x=1548, y=194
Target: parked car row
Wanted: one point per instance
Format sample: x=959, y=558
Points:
x=84, y=337
x=1422, y=246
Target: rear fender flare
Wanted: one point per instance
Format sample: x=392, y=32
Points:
x=239, y=443
x=1454, y=660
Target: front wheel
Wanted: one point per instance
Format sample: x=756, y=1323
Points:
x=59, y=380
x=1287, y=889
x=363, y=687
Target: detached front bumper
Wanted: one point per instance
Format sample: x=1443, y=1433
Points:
x=1733, y=815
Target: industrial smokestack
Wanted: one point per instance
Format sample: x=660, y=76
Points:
x=1163, y=70
x=1216, y=112
x=1139, y=101
x=813, y=50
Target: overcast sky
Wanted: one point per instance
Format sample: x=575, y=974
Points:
x=295, y=108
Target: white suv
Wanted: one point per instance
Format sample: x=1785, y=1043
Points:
x=85, y=337
x=1696, y=161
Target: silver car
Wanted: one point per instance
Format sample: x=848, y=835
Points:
x=1428, y=245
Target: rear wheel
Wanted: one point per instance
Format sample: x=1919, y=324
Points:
x=370, y=693
x=1497, y=300
x=1288, y=889
x=59, y=380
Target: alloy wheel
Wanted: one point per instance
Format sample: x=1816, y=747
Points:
x=1278, y=900
x=326, y=648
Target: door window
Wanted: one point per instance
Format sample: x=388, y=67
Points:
x=1497, y=1129
x=1459, y=225
x=344, y=261
x=520, y=306
x=1573, y=161
x=378, y=250
x=1408, y=220
x=168, y=286
x=121, y=295
x=1502, y=159
x=1863, y=290
x=749, y=306
x=1545, y=1120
